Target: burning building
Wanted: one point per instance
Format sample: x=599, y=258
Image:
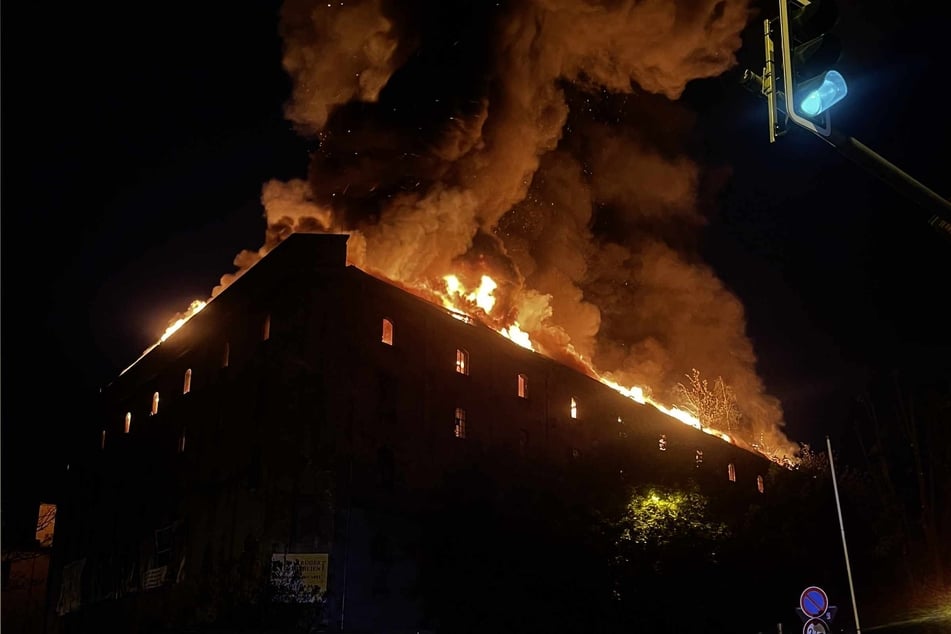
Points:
x=282, y=447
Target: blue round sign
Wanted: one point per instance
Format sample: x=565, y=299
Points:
x=813, y=601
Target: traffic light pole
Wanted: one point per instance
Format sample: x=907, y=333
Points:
x=938, y=208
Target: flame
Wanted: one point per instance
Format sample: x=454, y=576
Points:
x=193, y=309
x=190, y=312
x=457, y=299
x=516, y=334
x=483, y=296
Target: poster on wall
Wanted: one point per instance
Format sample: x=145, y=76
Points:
x=299, y=577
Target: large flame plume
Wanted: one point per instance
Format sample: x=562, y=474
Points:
x=536, y=144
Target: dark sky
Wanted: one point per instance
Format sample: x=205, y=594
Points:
x=136, y=140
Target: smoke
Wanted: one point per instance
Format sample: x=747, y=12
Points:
x=541, y=142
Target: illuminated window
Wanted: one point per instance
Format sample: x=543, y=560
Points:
x=387, y=332
x=188, y=381
x=760, y=486
x=266, y=328
x=662, y=442
x=102, y=442
x=699, y=458
x=181, y=442
x=460, y=423
x=731, y=472
x=128, y=423
x=522, y=386
x=574, y=408
x=45, y=524
x=155, y=399
x=462, y=361
x=226, y=355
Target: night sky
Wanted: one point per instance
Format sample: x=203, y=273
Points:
x=136, y=141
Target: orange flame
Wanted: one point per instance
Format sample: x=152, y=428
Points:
x=190, y=312
x=519, y=336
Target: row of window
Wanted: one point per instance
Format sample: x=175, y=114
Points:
x=459, y=422
x=187, y=386
x=459, y=431
x=459, y=418
x=462, y=365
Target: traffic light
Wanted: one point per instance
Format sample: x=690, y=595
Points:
x=809, y=50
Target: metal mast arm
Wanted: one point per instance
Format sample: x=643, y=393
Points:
x=938, y=208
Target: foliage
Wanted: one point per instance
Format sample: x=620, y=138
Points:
x=666, y=549
x=657, y=517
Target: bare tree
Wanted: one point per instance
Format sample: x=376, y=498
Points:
x=714, y=406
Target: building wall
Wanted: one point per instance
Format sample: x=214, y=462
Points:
x=323, y=438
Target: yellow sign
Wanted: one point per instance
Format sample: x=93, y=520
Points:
x=299, y=577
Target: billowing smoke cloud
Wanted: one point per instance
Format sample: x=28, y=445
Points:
x=540, y=142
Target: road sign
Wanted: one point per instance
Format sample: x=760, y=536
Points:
x=813, y=601
x=827, y=617
x=830, y=614
x=815, y=626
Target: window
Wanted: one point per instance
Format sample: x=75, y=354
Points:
x=226, y=355
x=387, y=332
x=155, y=400
x=731, y=472
x=266, y=328
x=760, y=486
x=181, y=442
x=574, y=408
x=698, y=460
x=662, y=442
x=522, y=386
x=128, y=423
x=460, y=423
x=462, y=361
x=102, y=442
x=45, y=524
x=188, y=382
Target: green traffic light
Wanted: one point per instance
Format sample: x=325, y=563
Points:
x=822, y=93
